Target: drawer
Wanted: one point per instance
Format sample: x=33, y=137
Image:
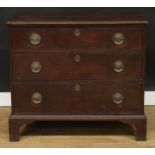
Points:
x=76, y=38
x=77, y=98
x=82, y=66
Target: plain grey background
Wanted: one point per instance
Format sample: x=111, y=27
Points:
x=7, y=13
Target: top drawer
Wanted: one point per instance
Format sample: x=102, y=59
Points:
x=76, y=38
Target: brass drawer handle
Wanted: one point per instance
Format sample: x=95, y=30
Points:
x=77, y=58
x=118, y=38
x=118, y=66
x=77, y=87
x=36, y=98
x=77, y=32
x=35, y=67
x=118, y=98
x=35, y=38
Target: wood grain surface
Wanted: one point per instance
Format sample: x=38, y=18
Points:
x=72, y=42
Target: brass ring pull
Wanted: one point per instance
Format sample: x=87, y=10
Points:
x=77, y=87
x=118, y=66
x=118, y=38
x=35, y=38
x=36, y=98
x=77, y=58
x=118, y=98
x=35, y=67
x=77, y=32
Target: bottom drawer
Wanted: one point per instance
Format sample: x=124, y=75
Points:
x=78, y=98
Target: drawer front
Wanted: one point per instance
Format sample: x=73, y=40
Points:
x=66, y=66
x=78, y=98
x=76, y=38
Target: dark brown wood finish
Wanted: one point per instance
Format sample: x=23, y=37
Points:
x=91, y=66
x=77, y=17
x=64, y=38
x=77, y=81
x=62, y=98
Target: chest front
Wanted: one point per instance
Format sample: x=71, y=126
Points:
x=77, y=70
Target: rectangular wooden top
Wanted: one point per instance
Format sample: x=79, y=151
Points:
x=77, y=17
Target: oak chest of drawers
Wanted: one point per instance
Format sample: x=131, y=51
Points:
x=67, y=66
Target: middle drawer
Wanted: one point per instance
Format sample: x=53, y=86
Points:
x=70, y=66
